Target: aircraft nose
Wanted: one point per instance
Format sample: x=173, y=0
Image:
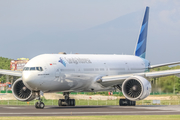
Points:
x=29, y=80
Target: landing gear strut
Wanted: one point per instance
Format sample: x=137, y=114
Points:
x=126, y=102
x=39, y=104
x=67, y=101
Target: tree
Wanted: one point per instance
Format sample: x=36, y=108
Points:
x=4, y=64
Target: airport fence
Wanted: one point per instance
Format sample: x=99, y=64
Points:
x=113, y=93
x=92, y=102
x=94, y=93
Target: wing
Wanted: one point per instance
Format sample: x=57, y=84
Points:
x=165, y=64
x=108, y=81
x=10, y=72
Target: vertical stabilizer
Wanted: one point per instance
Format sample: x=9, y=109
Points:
x=141, y=44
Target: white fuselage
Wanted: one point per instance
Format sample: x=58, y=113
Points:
x=78, y=72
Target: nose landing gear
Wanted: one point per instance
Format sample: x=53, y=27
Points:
x=39, y=104
x=67, y=101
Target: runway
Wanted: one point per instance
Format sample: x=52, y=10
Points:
x=88, y=110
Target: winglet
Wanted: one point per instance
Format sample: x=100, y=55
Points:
x=141, y=44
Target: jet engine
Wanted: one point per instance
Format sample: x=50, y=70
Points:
x=21, y=92
x=136, y=88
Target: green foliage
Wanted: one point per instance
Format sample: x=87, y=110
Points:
x=168, y=84
x=166, y=68
x=97, y=93
x=4, y=64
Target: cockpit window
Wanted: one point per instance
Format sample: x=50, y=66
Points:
x=39, y=68
x=33, y=69
x=26, y=68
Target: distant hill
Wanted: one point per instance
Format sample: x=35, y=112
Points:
x=118, y=36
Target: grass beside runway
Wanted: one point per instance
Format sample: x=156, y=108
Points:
x=104, y=117
x=89, y=102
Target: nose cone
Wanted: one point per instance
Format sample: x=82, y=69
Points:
x=29, y=80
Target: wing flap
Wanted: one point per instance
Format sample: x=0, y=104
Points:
x=10, y=72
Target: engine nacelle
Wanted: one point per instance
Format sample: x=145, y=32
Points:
x=21, y=92
x=136, y=88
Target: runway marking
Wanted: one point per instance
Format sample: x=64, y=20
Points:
x=14, y=107
x=74, y=113
x=174, y=108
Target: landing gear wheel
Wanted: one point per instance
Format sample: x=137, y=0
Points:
x=60, y=102
x=73, y=102
x=126, y=102
x=67, y=101
x=37, y=105
x=41, y=105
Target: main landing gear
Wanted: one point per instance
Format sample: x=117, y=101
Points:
x=39, y=104
x=67, y=101
x=126, y=102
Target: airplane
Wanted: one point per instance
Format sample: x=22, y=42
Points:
x=68, y=73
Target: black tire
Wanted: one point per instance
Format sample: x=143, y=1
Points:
x=123, y=102
x=37, y=105
x=71, y=102
x=133, y=103
x=120, y=102
x=63, y=102
x=60, y=102
x=74, y=102
x=41, y=105
x=126, y=102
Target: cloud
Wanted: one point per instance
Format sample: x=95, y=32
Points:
x=170, y=18
x=165, y=15
x=153, y=2
x=156, y=2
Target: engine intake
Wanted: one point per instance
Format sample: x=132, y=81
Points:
x=136, y=88
x=21, y=92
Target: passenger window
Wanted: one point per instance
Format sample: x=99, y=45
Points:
x=32, y=68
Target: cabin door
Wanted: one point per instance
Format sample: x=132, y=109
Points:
x=57, y=73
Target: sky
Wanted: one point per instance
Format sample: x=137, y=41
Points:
x=30, y=27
